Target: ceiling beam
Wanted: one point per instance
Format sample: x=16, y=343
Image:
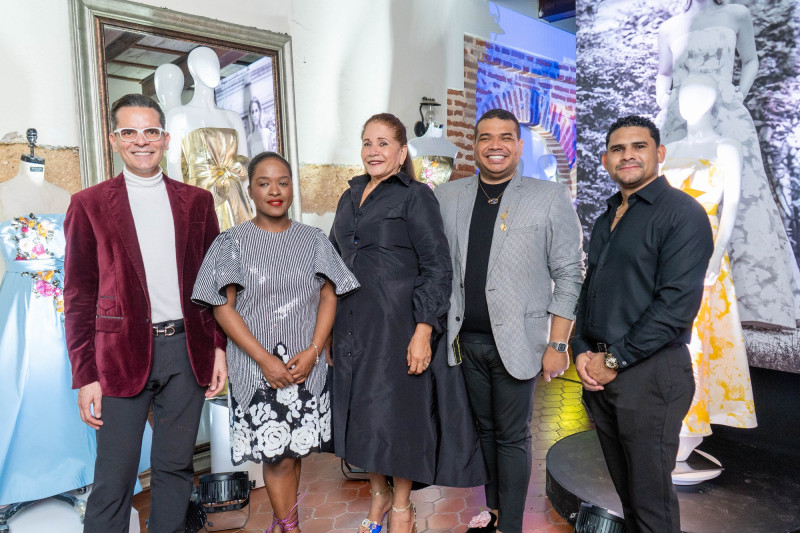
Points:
x=116, y=47
x=131, y=64
x=124, y=78
x=158, y=49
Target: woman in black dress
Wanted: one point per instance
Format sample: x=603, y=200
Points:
x=399, y=409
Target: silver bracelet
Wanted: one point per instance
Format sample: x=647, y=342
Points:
x=315, y=348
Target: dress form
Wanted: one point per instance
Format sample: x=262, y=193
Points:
x=208, y=144
x=433, y=156
x=708, y=167
x=168, y=80
x=28, y=192
x=201, y=111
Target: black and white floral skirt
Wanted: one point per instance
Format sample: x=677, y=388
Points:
x=280, y=423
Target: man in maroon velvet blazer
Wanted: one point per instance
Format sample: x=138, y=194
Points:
x=134, y=246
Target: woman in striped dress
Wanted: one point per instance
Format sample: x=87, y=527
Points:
x=273, y=283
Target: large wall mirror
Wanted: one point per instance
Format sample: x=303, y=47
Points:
x=119, y=45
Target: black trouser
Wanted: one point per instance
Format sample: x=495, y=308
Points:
x=502, y=406
x=638, y=418
x=177, y=402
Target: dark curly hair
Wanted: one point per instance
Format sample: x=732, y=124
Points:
x=502, y=114
x=635, y=121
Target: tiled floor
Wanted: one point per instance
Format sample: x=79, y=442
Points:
x=334, y=504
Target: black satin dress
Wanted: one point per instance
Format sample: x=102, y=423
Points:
x=384, y=420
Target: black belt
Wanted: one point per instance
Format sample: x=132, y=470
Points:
x=476, y=338
x=168, y=328
x=602, y=347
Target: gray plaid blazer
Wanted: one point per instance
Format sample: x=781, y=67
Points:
x=535, y=265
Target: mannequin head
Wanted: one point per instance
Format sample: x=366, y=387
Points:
x=548, y=164
x=255, y=114
x=168, y=80
x=204, y=66
x=696, y=96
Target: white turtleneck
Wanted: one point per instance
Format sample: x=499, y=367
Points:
x=155, y=229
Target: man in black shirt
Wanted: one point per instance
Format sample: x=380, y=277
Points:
x=515, y=244
x=648, y=256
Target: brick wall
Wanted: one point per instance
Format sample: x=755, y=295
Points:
x=540, y=92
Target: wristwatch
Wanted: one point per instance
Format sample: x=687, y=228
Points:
x=611, y=361
x=558, y=346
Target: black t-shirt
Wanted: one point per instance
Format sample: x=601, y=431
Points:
x=481, y=228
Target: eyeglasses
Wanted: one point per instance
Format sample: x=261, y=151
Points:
x=129, y=135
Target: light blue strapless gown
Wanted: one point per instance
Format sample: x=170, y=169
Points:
x=45, y=448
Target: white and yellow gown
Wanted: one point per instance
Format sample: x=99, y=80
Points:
x=723, y=393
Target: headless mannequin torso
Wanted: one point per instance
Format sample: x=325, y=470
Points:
x=433, y=156
x=704, y=14
x=28, y=192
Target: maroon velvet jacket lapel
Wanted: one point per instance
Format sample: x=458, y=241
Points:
x=116, y=196
x=180, y=219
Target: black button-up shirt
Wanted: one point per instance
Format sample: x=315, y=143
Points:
x=644, y=281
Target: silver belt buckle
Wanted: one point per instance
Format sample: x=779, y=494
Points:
x=168, y=330
x=602, y=347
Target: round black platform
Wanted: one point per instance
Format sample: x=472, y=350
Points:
x=758, y=492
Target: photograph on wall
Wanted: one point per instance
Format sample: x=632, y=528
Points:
x=250, y=92
x=638, y=57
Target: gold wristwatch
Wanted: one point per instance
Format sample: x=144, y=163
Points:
x=611, y=361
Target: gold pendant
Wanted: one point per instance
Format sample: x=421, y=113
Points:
x=493, y=201
x=504, y=215
x=503, y=226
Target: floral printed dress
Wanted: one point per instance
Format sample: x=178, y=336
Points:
x=45, y=448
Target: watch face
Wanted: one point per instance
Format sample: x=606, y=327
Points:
x=558, y=346
x=611, y=362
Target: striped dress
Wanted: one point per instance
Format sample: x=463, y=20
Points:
x=278, y=278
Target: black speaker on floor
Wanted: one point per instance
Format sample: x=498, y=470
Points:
x=225, y=497
x=594, y=519
x=552, y=10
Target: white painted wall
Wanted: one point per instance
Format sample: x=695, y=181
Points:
x=352, y=58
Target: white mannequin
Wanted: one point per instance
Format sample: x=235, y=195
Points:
x=433, y=156
x=702, y=14
x=548, y=164
x=696, y=98
x=201, y=111
x=432, y=143
x=28, y=192
x=697, y=95
x=168, y=80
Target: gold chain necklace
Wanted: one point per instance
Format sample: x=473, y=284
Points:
x=490, y=200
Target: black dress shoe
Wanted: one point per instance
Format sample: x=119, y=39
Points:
x=491, y=527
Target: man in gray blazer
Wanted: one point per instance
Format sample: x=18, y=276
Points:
x=515, y=244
